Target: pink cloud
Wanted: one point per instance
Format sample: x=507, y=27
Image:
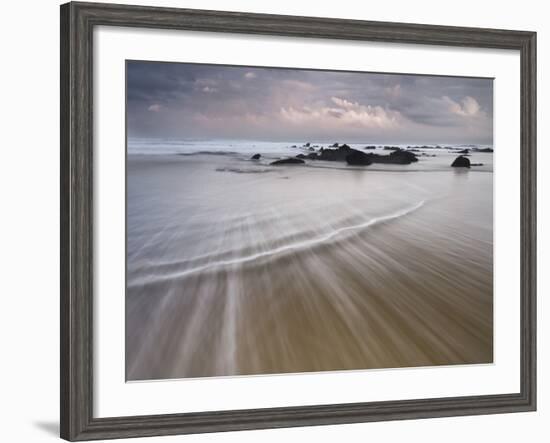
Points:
x=344, y=113
x=468, y=106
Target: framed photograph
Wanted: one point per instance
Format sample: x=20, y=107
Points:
x=272, y=221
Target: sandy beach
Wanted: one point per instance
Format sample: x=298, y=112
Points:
x=237, y=267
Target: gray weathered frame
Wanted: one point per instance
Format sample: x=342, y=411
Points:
x=77, y=23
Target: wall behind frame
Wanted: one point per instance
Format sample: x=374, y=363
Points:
x=29, y=233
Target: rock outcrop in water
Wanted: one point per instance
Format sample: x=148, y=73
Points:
x=464, y=151
x=334, y=155
x=287, y=161
x=255, y=157
x=461, y=162
x=483, y=150
x=310, y=156
x=399, y=157
x=355, y=157
x=358, y=158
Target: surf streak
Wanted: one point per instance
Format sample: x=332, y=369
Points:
x=286, y=248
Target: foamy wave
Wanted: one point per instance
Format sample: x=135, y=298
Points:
x=187, y=154
x=244, y=171
x=301, y=245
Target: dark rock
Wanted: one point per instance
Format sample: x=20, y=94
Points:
x=287, y=161
x=331, y=155
x=399, y=157
x=391, y=148
x=311, y=148
x=484, y=150
x=310, y=156
x=307, y=144
x=335, y=145
x=464, y=151
x=255, y=157
x=353, y=156
x=294, y=146
x=404, y=156
x=358, y=158
x=461, y=162
x=476, y=164
x=370, y=147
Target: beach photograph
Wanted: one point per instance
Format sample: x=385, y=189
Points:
x=283, y=220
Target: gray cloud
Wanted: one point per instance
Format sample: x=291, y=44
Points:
x=179, y=100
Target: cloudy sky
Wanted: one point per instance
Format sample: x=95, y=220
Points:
x=193, y=101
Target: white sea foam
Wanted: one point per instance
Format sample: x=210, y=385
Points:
x=249, y=147
x=301, y=245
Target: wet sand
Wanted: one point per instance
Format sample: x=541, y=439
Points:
x=233, y=272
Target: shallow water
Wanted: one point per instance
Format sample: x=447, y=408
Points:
x=236, y=267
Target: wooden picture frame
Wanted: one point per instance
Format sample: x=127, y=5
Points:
x=77, y=23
